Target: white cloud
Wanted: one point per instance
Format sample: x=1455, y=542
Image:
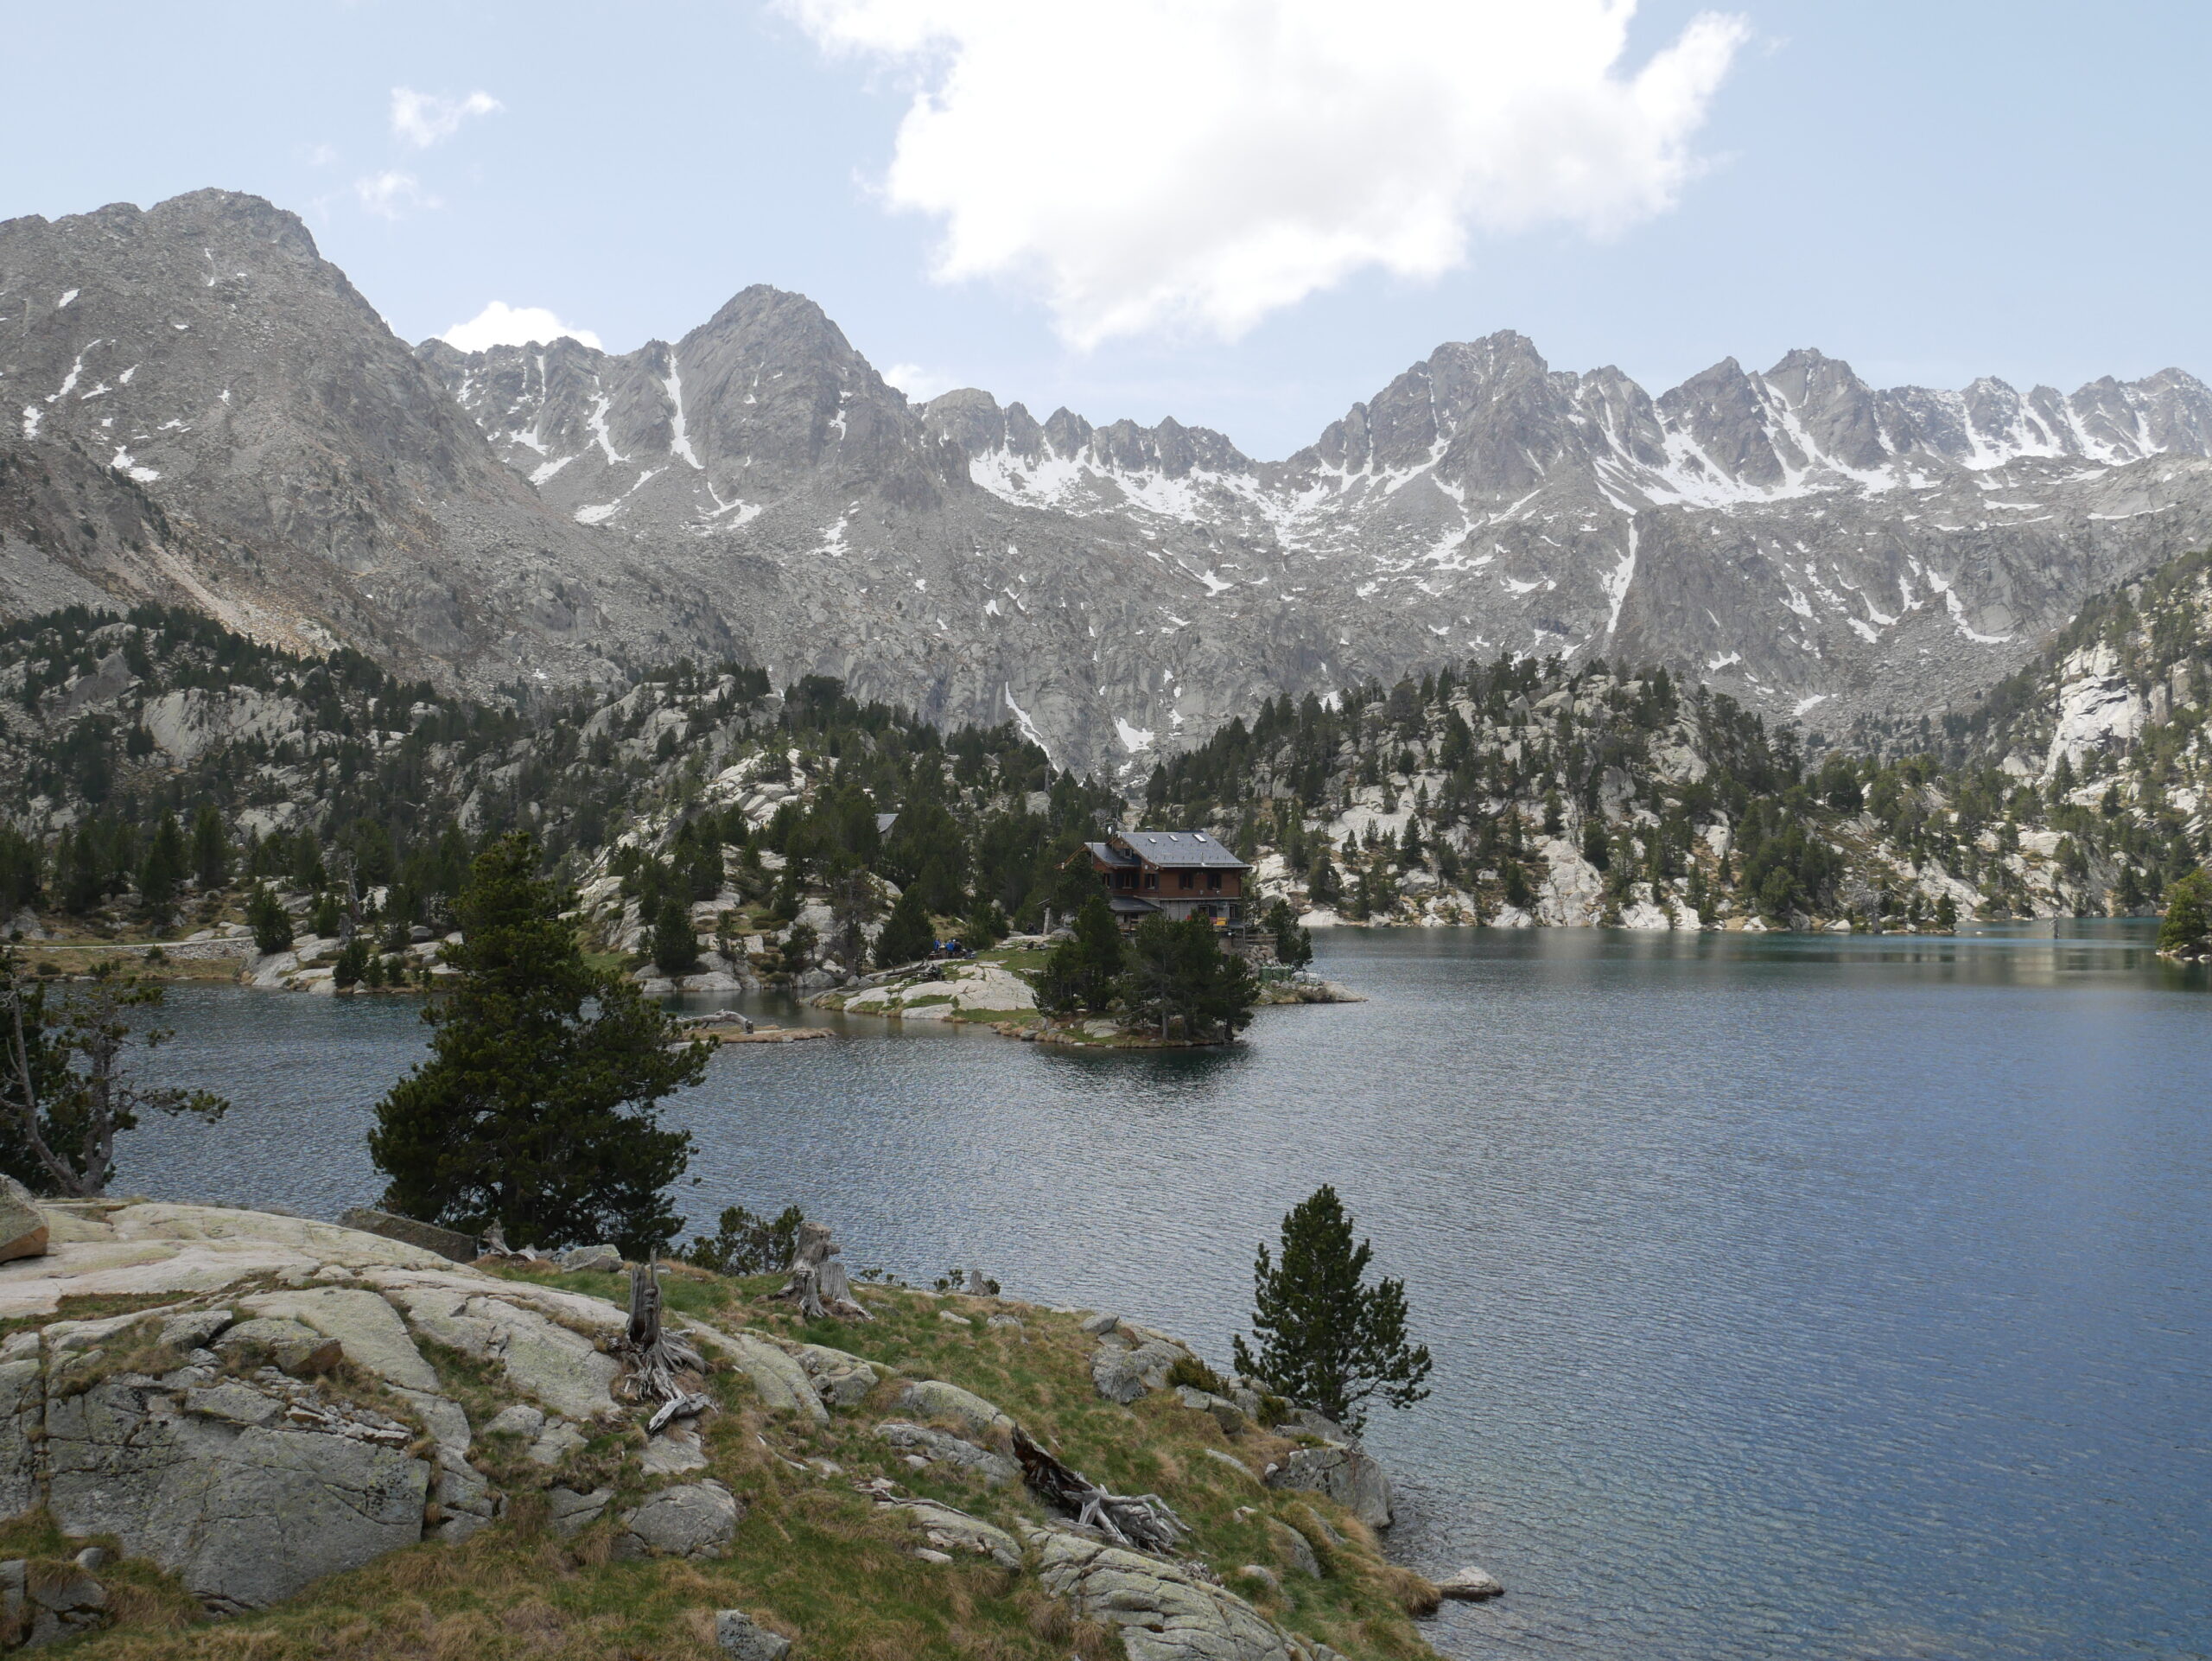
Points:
x=391, y=194
x=501, y=324
x=916, y=383
x=1196, y=164
x=426, y=118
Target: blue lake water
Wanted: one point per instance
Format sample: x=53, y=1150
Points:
x=1790, y=1296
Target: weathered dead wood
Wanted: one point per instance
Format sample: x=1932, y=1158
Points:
x=818, y=1283
x=1144, y=1522
x=654, y=1358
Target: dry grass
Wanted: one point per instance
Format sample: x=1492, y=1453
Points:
x=812, y=1558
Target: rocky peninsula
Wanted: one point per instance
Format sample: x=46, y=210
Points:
x=341, y=1443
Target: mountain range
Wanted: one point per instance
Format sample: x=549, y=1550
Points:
x=200, y=409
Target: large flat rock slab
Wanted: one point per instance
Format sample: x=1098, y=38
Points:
x=111, y=1249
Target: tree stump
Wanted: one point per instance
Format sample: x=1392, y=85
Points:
x=818, y=1284
x=654, y=1358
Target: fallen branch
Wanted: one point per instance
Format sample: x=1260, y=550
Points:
x=1144, y=1521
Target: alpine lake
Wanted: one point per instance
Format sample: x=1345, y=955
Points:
x=1790, y=1295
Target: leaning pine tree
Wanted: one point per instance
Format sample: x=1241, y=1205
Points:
x=537, y=1109
x=1326, y=1338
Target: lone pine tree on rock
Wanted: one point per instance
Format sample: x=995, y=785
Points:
x=1326, y=1337
x=537, y=1109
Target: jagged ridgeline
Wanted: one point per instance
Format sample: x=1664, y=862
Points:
x=117, y=732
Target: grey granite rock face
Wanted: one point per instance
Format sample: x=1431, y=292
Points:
x=739, y=1636
x=560, y=1368
x=932, y=1398
x=940, y=1448
x=950, y=1529
x=244, y=1514
x=1163, y=1612
x=1343, y=1472
x=50, y=1609
x=293, y=1346
x=696, y=1519
x=22, y=1413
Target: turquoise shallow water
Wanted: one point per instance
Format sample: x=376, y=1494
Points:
x=1800, y=1296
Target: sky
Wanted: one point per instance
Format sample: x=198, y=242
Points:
x=1244, y=213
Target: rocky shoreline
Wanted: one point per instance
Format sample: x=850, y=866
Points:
x=280, y=1401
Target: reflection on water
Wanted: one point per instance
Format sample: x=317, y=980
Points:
x=1793, y=1295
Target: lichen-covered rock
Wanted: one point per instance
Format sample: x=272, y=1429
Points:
x=840, y=1379
x=572, y=1511
x=1223, y=1412
x=1121, y=1371
x=955, y=1530
x=696, y=1519
x=463, y=1498
x=784, y=1385
x=940, y=1446
x=576, y=1259
x=293, y=1346
x=1345, y=1472
x=542, y=1359
x=932, y=1398
x=47, y=1608
x=244, y=1514
x=739, y=1636
x=23, y=1412
x=1470, y=1585
x=195, y=1328
x=1164, y=1612
x=366, y=1325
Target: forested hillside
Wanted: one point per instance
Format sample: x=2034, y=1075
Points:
x=159, y=768
x=161, y=772
x=1522, y=791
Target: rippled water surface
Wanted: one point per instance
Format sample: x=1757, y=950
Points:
x=1790, y=1296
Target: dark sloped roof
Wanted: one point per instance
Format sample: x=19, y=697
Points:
x=1107, y=854
x=1183, y=847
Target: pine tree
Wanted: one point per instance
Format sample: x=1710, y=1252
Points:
x=163, y=869
x=1177, y=970
x=2187, y=931
x=270, y=923
x=676, y=948
x=1082, y=973
x=211, y=849
x=1293, y=940
x=538, y=1108
x=907, y=935
x=1327, y=1339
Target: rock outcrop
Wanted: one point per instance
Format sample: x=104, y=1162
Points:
x=22, y=1225
x=1163, y=1612
x=203, y=1433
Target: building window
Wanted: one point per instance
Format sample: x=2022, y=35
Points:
x=1213, y=882
x=1189, y=881
x=1152, y=879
